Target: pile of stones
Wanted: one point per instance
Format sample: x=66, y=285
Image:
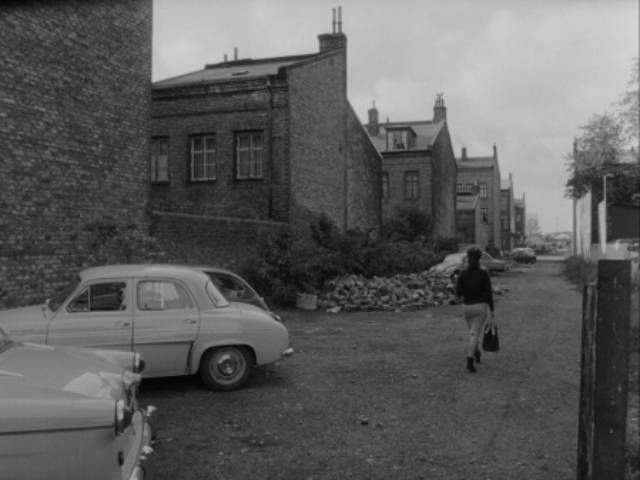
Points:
x=402, y=292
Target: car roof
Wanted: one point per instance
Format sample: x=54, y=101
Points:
x=141, y=270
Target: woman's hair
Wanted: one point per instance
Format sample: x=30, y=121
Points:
x=473, y=255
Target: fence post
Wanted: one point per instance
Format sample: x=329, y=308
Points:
x=611, y=368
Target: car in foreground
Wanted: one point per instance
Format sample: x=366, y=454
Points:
x=454, y=263
x=524, y=255
x=174, y=316
x=71, y=413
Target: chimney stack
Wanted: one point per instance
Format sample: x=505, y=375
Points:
x=336, y=39
x=495, y=152
x=373, y=127
x=439, y=110
x=464, y=153
x=235, y=54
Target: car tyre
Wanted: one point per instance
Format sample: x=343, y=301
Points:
x=226, y=368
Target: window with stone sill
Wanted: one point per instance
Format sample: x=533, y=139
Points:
x=411, y=186
x=159, y=160
x=202, y=156
x=249, y=163
x=483, y=190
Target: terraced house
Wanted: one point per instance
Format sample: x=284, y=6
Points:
x=251, y=144
x=419, y=167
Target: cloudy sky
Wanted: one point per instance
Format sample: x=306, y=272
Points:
x=522, y=74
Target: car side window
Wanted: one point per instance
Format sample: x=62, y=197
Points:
x=100, y=297
x=162, y=295
x=230, y=287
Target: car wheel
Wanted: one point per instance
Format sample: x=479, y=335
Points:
x=226, y=368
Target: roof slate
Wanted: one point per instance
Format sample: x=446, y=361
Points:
x=476, y=162
x=233, y=70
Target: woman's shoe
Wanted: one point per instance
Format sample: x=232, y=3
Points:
x=470, y=366
x=477, y=355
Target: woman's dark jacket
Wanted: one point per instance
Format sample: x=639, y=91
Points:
x=474, y=286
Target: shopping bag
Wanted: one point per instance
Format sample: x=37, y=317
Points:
x=490, y=340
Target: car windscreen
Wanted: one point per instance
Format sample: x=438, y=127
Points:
x=61, y=295
x=214, y=294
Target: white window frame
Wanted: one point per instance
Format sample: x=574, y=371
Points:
x=253, y=169
x=412, y=189
x=208, y=160
x=159, y=168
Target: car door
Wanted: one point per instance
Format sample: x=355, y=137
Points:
x=165, y=325
x=98, y=315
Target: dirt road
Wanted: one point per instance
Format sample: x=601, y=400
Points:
x=385, y=396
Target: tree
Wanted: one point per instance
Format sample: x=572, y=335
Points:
x=595, y=153
x=533, y=225
x=628, y=107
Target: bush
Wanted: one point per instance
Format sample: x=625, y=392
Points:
x=579, y=270
x=409, y=224
x=110, y=243
x=284, y=266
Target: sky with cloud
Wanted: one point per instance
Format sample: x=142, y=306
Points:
x=523, y=75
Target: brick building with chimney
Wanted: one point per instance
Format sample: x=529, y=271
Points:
x=74, y=96
x=251, y=144
x=507, y=214
x=483, y=174
x=419, y=167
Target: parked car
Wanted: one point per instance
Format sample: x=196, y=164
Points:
x=70, y=413
x=451, y=265
x=174, y=316
x=235, y=288
x=524, y=255
x=454, y=263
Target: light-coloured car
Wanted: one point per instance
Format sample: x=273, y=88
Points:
x=174, y=316
x=70, y=413
x=454, y=263
x=524, y=255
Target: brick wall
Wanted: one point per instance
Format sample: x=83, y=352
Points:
x=318, y=139
x=223, y=109
x=74, y=107
x=396, y=164
x=443, y=185
x=364, y=179
x=201, y=240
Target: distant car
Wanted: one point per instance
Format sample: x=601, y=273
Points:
x=524, y=255
x=454, y=263
x=71, y=413
x=173, y=315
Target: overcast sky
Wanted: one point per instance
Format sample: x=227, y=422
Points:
x=522, y=74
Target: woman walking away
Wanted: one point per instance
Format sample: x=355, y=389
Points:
x=474, y=286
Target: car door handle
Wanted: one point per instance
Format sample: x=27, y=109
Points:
x=190, y=321
x=123, y=323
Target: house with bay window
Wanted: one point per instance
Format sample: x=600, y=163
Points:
x=250, y=144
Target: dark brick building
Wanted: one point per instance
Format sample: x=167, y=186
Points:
x=520, y=225
x=245, y=145
x=507, y=214
x=419, y=167
x=74, y=117
x=483, y=174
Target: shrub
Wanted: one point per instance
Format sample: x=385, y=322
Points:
x=108, y=242
x=408, y=224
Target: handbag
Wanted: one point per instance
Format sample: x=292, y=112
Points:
x=490, y=340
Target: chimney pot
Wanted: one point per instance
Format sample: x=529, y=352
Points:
x=373, y=127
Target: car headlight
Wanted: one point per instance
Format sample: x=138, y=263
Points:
x=124, y=415
x=138, y=363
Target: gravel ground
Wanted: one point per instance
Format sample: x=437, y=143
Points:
x=384, y=395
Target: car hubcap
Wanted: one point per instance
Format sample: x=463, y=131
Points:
x=227, y=365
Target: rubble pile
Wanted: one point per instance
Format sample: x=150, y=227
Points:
x=402, y=292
